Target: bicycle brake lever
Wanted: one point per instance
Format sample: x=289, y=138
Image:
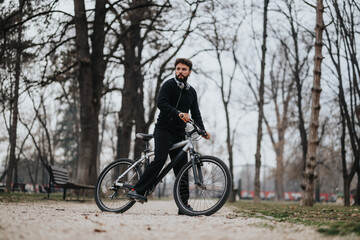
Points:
x=202, y=132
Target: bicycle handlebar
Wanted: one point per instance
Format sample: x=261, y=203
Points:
x=196, y=128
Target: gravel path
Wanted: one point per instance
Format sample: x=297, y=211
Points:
x=153, y=220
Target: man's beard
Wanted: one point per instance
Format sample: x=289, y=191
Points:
x=184, y=79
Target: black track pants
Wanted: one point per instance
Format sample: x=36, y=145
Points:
x=163, y=141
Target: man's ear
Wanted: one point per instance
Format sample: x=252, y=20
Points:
x=189, y=73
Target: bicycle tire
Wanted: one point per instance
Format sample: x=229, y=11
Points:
x=118, y=203
x=217, y=181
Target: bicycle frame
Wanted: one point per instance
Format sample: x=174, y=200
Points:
x=187, y=146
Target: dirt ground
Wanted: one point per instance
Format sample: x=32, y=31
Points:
x=153, y=220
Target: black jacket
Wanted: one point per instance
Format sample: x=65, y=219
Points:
x=168, y=98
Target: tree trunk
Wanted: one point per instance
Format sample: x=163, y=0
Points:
x=230, y=152
x=16, y=171
x=132, y=109
x=118, y=142
x=347, y=178
x=279, y=188
x=301, y=125
x=103, y=125
x=261, y=107
x=309, y=173
x=78, y=134
x=36, y=171
x=281, y=126
x=91, y=75
x=347, y=192
x=317, y=190
x=357, y=195
x=128, y=109
x=14, y=121
x=139, y=116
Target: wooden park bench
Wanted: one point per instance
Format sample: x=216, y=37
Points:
x=59, y=177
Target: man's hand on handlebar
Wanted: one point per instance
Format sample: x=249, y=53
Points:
x=206, y=135
x=184, y=116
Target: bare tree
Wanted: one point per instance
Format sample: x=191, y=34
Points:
x=261, y=105
x=259, y=93
x=297, y=55
x=223, y=40
x=91, y=75
x=280, y=94
x=309, y=173
x=341, y=45
x=15, y=98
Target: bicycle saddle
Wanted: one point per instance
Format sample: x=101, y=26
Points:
x=144, y=136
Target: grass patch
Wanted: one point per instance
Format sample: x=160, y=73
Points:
x=15, y=197
x=27, y=197
x=329, y=219
x=340, y=228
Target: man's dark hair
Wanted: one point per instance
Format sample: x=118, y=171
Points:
x=185, y=61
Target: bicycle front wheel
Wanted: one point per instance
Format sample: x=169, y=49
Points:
x=209, y=196
x=112, y=198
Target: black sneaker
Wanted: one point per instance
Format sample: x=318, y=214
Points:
x=188, y=207
x=136, y=196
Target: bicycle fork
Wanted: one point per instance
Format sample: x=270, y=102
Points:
x=196, y=166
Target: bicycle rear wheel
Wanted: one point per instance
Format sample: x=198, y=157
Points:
x=111, y=198
x=194, y=200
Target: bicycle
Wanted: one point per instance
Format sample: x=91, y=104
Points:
x=204, y=183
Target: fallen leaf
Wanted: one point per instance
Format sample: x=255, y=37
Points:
x=99, y=230
x=231, y=216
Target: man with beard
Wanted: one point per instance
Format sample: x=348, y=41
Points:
x=176, y=98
